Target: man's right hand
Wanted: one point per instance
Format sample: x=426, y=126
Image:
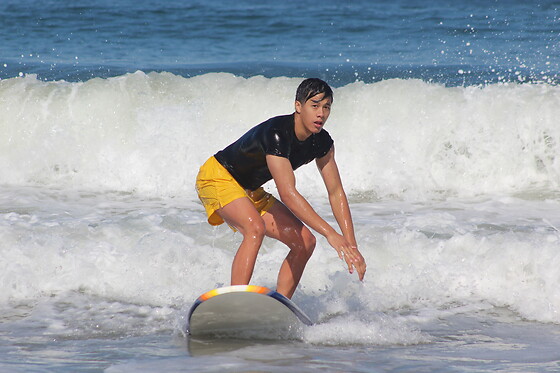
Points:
x=349, y=253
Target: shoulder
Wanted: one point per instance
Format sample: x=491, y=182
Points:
x=277, y=135
x=279, y=125
x=281, y=121
x=324, y=136
x=322, y=142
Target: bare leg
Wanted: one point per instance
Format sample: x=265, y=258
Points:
x=284, y=226
x=242, y=215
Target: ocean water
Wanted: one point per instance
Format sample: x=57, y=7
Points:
x=445, y=120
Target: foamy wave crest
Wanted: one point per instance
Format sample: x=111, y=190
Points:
x=378, y=329
x=149, y=133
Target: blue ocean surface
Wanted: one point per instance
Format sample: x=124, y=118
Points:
x=454, y=42
x=445, y=122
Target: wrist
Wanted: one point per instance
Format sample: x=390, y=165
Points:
x=330, y=232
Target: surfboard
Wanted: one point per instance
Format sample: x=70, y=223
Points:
x=243, y=310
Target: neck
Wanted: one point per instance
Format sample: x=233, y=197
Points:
x=301, y=133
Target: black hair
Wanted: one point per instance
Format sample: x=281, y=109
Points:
x=312, y=87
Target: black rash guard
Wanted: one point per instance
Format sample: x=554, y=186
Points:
x=245, y=159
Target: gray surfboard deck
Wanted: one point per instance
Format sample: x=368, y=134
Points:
x=239, y=310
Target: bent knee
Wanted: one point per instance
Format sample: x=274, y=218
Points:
x=310, y=240
x=307, y=246
x=256, y=229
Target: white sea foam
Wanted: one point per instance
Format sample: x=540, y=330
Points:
x=162, y=253
x=149, y=133
x=374, y=329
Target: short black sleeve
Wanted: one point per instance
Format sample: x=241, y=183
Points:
x=323, y=143
x=276, y=142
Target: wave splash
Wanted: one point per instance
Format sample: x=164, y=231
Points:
x=149, y=133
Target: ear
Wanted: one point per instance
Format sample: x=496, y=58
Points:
x=298, y=107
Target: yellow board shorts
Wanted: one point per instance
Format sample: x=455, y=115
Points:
x=216, y=188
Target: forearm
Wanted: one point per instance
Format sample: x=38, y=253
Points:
x=305, y=212
x=341, y=210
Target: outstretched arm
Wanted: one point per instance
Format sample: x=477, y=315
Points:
x=341, y=209
x=284, y=177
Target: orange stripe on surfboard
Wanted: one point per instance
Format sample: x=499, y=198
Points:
x=230, y=289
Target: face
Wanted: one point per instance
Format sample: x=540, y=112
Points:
x=314, y=113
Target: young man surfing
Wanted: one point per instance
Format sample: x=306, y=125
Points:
x=230, y=183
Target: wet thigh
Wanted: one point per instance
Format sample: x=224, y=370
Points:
x=284, y=226
x=242, y=215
